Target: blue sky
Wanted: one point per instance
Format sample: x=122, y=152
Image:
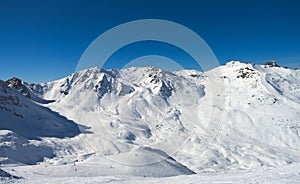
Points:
x=42, y=41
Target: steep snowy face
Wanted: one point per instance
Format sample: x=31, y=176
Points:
x=261, y=123
x=266, y=99
x=133, y=106
x=24, y=116
x=24, y=124
x=118, y=83
x=285, y=82
x=9, y=102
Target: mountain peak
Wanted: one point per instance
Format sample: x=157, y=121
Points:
x=14, y=82
x=17, y=84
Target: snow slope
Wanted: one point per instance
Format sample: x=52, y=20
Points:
x=149, y=122
x=23, y=125
x=30, y=119
x=39, y=174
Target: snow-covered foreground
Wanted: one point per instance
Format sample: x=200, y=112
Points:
x=81, y=174
x=227, y=125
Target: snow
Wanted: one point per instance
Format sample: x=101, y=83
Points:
x=229, y=124
x=41, y=174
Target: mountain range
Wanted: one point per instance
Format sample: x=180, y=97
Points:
x=144, y=121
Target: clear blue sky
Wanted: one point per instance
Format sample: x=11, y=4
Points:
x=42, y=41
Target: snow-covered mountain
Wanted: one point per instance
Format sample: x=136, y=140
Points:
x=237, y=116
x=24, y=122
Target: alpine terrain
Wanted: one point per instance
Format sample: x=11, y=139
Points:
x=239, y=122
